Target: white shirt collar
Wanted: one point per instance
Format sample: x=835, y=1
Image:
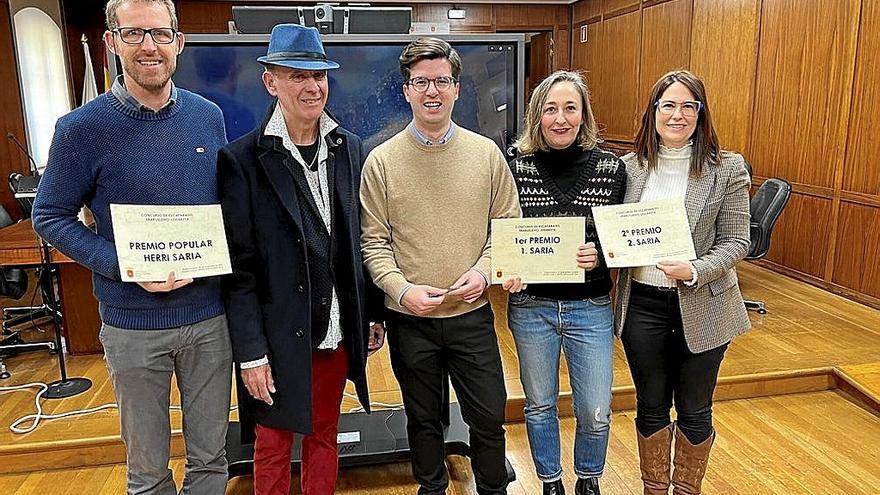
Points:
x=278, y=127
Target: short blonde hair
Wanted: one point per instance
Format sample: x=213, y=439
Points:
x=113, y=5
x=532, y=139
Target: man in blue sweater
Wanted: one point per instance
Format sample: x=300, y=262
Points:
x=146, y=142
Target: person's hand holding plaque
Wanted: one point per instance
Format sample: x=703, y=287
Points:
x=676, y=270
x=587, y=256
x=514, y=285
x=167, y=286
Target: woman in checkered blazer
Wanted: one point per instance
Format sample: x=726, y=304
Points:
x=677, y=318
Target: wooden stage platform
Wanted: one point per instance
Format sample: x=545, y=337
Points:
x=798, y=412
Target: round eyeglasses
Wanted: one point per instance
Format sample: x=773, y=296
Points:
x=421, y=84
x=135, y=36
x=689, y=109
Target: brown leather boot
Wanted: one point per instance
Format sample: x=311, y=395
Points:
x=690, y=462
x=654, y=453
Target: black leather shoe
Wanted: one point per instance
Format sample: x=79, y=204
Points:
x=587, y=486
x=554, y=488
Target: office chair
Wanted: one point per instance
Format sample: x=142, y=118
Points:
x=765, y=208
x=13, y=285
x=24, y=188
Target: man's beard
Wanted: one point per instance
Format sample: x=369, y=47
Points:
x=151, y=83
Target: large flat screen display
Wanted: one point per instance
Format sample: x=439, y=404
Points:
x=366, y=92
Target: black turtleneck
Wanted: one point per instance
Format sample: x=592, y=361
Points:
x=564, y=167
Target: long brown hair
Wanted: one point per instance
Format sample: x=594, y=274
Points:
x=706, y=149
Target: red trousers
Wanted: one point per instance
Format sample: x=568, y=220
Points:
x=319, y=457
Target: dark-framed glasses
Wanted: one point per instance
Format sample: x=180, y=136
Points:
x=421, y=84
x=688, y=108
x=135, y=36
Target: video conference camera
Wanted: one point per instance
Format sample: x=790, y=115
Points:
x=328, y=18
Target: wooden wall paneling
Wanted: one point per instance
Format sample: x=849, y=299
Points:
x=617, y=7
x=858, y=242
x=540, y=64
x=83, y=17
x=586, y=11
x=860, y=198
x=12, y=117
x=860, y=170
x=529, y=16
x=479, y=18
x=804, y=76
x=562, y=48
x=204, y=16
x=724, y=48
x=651, y=3
x=666, y=44
x=588, y=57
x=800, y=239
x=615, y=93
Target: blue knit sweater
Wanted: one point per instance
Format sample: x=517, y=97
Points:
x=106, y=152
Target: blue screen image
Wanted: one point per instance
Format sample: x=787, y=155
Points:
x=366, y=95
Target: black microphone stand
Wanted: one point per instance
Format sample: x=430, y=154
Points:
x=65, y=387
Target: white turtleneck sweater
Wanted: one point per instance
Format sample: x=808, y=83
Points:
x=668, y=180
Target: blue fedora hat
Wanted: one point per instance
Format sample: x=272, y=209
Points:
x=297, y=47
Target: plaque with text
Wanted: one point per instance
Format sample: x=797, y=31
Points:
x=641, y=234
x=152, y=241
x=537, y=250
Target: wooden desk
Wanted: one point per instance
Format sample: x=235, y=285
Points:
x=80, y=321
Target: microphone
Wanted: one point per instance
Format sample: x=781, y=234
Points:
x=33, y=163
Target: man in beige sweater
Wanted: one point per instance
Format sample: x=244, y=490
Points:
x=428, y=195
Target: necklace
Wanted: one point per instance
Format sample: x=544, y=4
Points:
x=312, y=166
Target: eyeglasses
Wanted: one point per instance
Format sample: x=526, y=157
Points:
x=421, y=84
x=135, y=36
x=689, y=109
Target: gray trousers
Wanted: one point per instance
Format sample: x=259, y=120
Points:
x=141, y=363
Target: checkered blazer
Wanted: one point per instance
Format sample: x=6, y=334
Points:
x=717, y=205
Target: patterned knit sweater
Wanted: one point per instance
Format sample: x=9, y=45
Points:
x=567, y=183
x=106, y=152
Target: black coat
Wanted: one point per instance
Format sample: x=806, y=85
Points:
x=268, y=294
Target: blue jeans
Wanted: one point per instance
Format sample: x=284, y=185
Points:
x=583, y=329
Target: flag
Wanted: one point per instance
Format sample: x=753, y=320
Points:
x=90, y=92
x=90, y=87
x=107, y=83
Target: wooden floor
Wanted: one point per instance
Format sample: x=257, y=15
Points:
x=806, y=333
x=816, y=443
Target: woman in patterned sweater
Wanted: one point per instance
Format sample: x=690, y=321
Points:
x=560, y=172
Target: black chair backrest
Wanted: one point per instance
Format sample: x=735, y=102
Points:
x=13, y=281
x=24, y=184
x=765, y=207
x=5, y=219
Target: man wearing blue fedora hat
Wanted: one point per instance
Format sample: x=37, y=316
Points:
x=298, y=299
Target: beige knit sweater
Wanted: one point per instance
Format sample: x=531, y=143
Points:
x=426, y=213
